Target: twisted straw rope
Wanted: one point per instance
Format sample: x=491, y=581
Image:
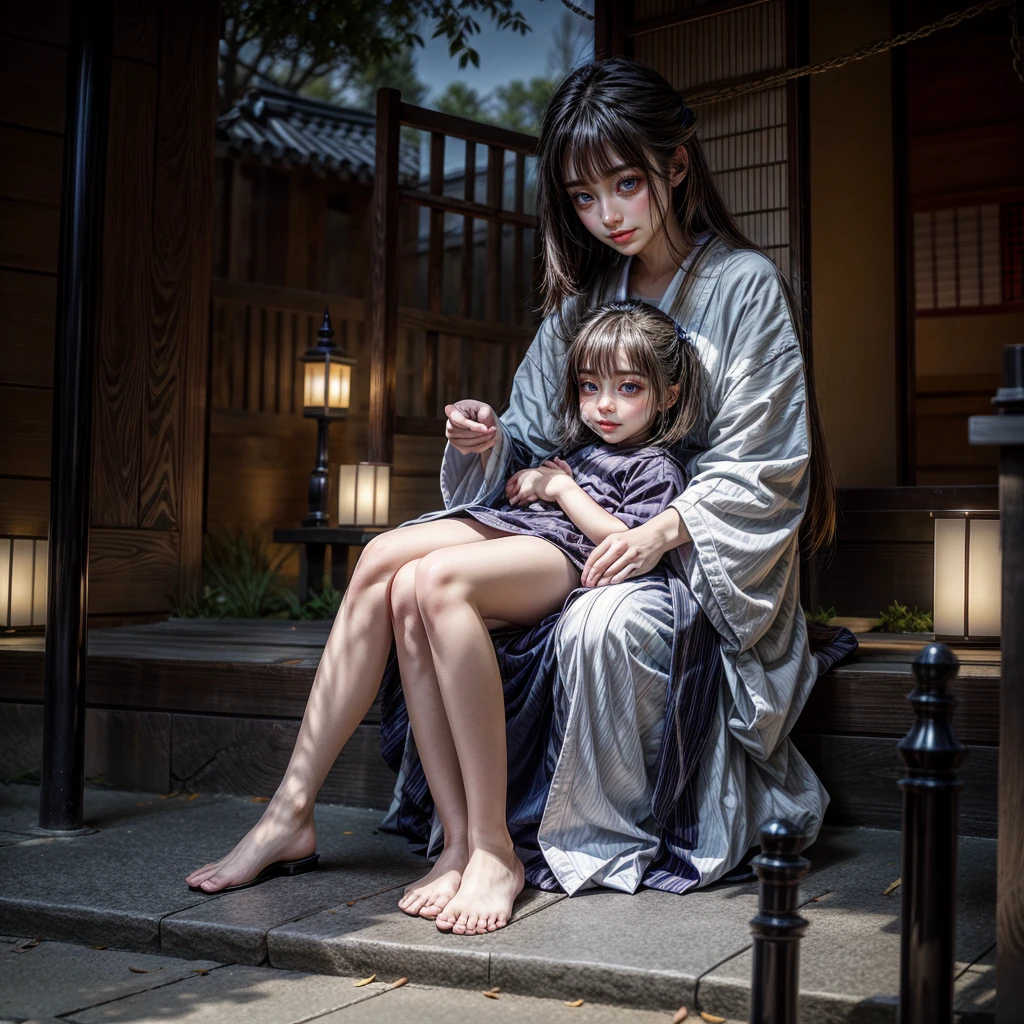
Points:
x=773, y=81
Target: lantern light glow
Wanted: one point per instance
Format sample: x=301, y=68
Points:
x=364, y=492
x=968, y=577
x=23, y=582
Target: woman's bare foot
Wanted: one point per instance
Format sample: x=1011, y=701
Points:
x=432, y=893
x=279, y=835
x=490, y=885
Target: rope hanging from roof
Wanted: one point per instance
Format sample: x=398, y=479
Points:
x=774, y=81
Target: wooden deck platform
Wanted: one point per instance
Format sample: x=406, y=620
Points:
x=215, y=705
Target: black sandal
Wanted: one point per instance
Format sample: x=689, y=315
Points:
x=276, y=870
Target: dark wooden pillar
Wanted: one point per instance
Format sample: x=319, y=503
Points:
x=1007, y=431
x=384, y=289
x=610, y=39
x=78, y=288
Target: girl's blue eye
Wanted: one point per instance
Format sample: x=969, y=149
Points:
x=582, y=198
x=587, y=384
x=630, y=384
x=629, y=184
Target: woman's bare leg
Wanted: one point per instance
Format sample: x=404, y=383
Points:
x=518, y=580
x=428, y=896
x=346, y=683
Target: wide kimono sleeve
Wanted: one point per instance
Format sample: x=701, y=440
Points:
x=748, y=490
x=653, y=483
x=526, y=430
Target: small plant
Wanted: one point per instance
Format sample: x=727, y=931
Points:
x=822, y=617
x=898, y=618
x=318, y=607
x=241, y=581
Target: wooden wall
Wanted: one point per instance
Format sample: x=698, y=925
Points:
x=150, y=375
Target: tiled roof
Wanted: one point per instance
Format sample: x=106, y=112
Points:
x=277, y=127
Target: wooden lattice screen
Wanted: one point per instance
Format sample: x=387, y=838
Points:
x=750, y=141
x=389, y=315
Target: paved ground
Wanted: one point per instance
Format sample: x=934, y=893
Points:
x=123, y=888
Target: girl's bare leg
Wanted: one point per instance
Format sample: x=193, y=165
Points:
x=346, y=683
x=436, y=747
x=518, y=580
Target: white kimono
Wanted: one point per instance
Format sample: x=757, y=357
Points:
x=748, y=461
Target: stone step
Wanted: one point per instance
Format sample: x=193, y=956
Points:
x=123, y=887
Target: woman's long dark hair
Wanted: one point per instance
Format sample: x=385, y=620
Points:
x=619, y=111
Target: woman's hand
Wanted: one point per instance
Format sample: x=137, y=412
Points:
x=542, y=483
x=472, y=426
x=631, y=552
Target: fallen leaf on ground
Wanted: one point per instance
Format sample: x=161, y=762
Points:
x=711, y=1018
x=290, y=661
x=892, y=888
x=400, y=983
x=364, y=981
x=26, y=944
x=495, y=990
x=259, y=800
x=346, y=833
x=331, y=911
x=681, y=1014
x=492, y=995
x=578, y=1002
x=170, y=796
x=193, y=796
x=138, y=970
x=200, y=970
x=97, y=947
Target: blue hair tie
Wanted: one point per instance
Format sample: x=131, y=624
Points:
x=681, y=334
x=688, y=117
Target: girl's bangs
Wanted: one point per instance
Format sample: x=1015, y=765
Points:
x=598, y=143
x=597, y=349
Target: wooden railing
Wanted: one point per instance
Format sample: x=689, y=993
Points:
x=387, y=317
x=259, y=332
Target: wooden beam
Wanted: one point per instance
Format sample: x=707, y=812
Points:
x=295, y=300
x=450, y=204
x=446, y=323
x=384, y=289
x=462, y=128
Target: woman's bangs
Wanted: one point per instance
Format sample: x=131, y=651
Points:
x=598, y=144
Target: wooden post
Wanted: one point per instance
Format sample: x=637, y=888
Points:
x=932, y=754
x=610, y=38
x=466, y=284
x=435, y=275
x=384, y=288
x=78, y=290
x=1007, y=430
x=778, y=928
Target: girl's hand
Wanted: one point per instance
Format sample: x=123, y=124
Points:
x=472, y=426
x=622, y=555
x=542, y=483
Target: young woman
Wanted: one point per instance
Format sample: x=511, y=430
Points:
x=649, y=767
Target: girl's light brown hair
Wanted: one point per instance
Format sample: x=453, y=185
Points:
x=619, y=111
x=646, y=340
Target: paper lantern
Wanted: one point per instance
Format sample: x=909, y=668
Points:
x=364, y=494
x=23, y=568
x=327, y=377
x=968, y=577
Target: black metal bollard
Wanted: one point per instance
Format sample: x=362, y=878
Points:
x=778, y=928
x=932, y=754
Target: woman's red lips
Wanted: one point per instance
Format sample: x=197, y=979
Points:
x=622, y=236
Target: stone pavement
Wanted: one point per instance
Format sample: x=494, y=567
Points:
x=123, y=888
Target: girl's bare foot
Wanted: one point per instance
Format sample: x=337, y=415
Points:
x=490, y=885
x=279, y=835
x=432, y=893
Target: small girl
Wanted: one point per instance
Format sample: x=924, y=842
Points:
x=633, y=388
x=626, y=369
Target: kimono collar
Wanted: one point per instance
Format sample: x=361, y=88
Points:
x=665, y=304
